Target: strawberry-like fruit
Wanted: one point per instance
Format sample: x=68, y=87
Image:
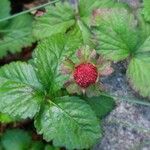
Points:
x=85, y=74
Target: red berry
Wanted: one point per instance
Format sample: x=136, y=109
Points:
x=85, y=74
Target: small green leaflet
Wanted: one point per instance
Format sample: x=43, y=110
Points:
x=16, y=35
x=69, y=122
x=116, y=34
x=146, y=10
x=139, y=66
x=101, y=105
x=15, y=139
x=138, y=74
x=57, y=19
x=19, y=90
x=49, y=56
x=143, y=31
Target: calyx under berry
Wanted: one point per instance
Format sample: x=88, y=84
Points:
x=85, y=71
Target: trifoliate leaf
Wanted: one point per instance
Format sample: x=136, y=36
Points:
x=116, y=34
x=16, y=35
x=15, y=139
x=146, y=10
x=49, y=56
x=101, y=105
x=69, y=122
x=4, y=12
x=5, y=118
x=57, y=19
x=19, y=90
x=138, y=73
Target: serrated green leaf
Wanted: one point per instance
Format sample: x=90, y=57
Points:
x=146, y=10
x=20, y=72
x=49, y=56
x=143, y=29
x=16, y=35
x=143, y=34
x=4, y=12
x=138, y=74
x=116, y=34
x=19, y=90
x=57, y=19
x=69, y=122
x=15, y=139
x=101, y=105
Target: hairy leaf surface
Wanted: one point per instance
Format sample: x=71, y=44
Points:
x=69, y=122
x=19, y=90
x=117, y=34
x=138, y=69
x=138, y=74
x=16, y=35
x=57, y=19
x=146, y=10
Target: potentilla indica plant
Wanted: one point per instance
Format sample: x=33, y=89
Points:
x=37, y=90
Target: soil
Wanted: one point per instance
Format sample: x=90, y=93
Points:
x=24, y=55
x=127, y=127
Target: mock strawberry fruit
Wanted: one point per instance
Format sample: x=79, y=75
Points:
x=85, y=74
